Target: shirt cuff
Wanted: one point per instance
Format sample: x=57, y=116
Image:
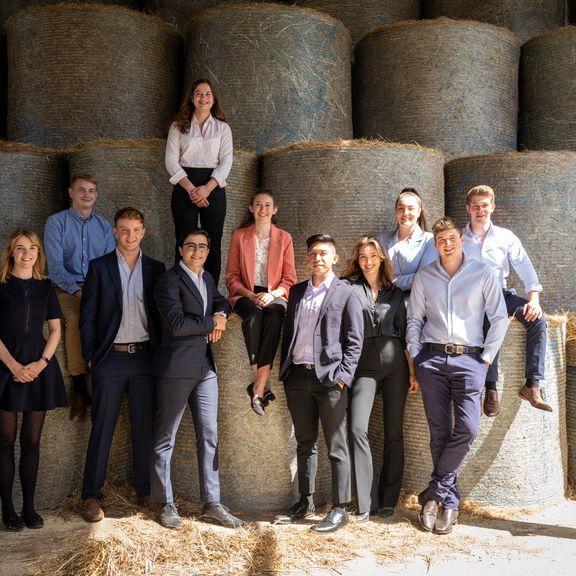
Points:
x=178, y=176
x=414, y=350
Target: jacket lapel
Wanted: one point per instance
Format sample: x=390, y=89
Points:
x=114, y=271
x=328, y=297
x=274, y=255
x=189, y=284
x=249, y=254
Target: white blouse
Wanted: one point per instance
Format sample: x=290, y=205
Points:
x=261, y=267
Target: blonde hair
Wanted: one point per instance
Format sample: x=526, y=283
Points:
x=444, y=224
x=481, y=190
x=8, y=255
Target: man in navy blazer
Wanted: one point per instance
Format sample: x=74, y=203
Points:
x=322, y=342
x=193, y=314
x=120, y=330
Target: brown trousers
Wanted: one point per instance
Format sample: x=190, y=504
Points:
x=70, y=305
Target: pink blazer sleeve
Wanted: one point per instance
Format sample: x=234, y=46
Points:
x=234, y=277
x=287, y=272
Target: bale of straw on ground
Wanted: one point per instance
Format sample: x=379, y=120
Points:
x=519, y=458
x=535, y=196
x=571, y=397
x=446, y=84
x=348, y=188
x=361, y=16
x=91, y=72
x=283, y=73
x=526, y=19
x=547, y=105
x=31, y=186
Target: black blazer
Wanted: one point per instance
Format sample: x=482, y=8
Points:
x=101, y=305
x=184, y=348
x=338, y=335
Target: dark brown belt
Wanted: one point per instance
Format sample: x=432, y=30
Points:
x=308, y=367
x=454, y=348
x=131, y=348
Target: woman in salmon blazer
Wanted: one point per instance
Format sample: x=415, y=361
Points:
x=259, y=275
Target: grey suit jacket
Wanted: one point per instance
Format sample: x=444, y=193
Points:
x=338, y=335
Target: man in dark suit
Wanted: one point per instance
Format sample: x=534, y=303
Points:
x=193, y=314
x=120, y=330
x=323, y=337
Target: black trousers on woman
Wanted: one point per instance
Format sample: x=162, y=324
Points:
x=186, y=214
x=261, y=328
x=383, y=363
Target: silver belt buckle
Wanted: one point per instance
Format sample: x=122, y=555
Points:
x=132, y=348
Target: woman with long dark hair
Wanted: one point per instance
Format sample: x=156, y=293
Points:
x=199, y=156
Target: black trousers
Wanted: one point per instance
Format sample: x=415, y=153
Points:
x=186, y=214
x=261, y=328
x=383, y=363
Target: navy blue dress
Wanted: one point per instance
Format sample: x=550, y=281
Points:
x=25, y=305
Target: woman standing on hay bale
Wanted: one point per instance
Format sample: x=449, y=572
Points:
x=199, y=155
x=30, y=378
x=409, y=246
x=259, y=275
x=383, y=364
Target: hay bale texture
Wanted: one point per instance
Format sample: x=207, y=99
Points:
x=535, y=191
x=361, y=16
x=31, y=185
x=526, y=19
x=547, y=104
x=518, y=459
x=571, y=397
x=348, y=188
x=92, y=72
x=446, y=84
x=283, y=73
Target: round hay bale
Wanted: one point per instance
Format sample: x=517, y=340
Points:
x=446, y=84
x=547, y=108
x=571, y=397
x=283, y=73
x=526, y=19
x=70, y=86
x=535, y=191
x=361, y=16
x=32, y=187
x=519, y=458
x=348, y=188
x=3, y=86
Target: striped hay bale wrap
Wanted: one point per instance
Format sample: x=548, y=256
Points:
x=283, y=73
x=519, y=458
x=534, y=193
x=451, y=85
x=70, y=86
x=547, y=107
x=527, y=18
x=348, y=188
x=361, y=16
x=32, y=187
x=3, y=86
x=571, y=397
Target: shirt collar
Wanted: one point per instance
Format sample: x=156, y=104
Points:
x=191, y=273
x=209, y=120
x=121, y=256
x=468, y=230
x=417, y=233
x=324, y=284
x=78, y=216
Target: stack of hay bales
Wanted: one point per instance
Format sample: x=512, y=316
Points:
x=548, y=107
x=535, y=194
x=348, y=188
x=91, y=72
x=442, y=83
x=283, y=73
x=571, y=397
x=527, y=18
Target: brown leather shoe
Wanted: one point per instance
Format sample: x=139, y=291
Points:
x=445, y=522
x=491, y=403
x=92, y=510
x=534, y=397
x=78, y=405
x=428, y=515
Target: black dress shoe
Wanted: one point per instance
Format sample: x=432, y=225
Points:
x=446, y=521
x=362, y=518
x=335, y=519
x=218, y=513
x=386, y=511
x=299, y=511
x=12, y=522
x=268, y=394
x=32, y=519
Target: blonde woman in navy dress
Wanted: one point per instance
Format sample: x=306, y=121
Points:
x=30, y=378
x=410, y=246
x=199, y=156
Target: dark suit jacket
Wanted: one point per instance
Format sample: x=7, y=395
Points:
x=338, y=335
x=185, y=327
x=101, y=305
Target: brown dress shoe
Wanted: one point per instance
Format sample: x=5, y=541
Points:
x=428, y=515
x=78, y=405
x=446, y=521
x=534, y=397
x=92, y=510
x=491, y=403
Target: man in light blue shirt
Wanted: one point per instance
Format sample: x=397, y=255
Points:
x=450, y=354
x=499, y=247
x=72, y=238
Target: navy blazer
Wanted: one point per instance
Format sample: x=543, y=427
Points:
x=184, y=347
x=338, y=335
x=101, y=305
